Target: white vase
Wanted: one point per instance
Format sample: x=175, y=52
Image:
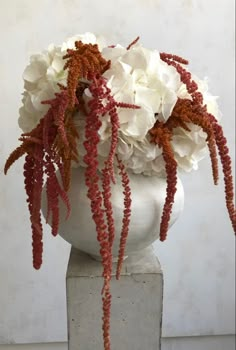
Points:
x=148, y=195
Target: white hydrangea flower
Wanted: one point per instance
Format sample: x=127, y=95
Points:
x=41, y=78
x=136, y=76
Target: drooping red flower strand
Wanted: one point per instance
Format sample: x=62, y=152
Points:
x=171, y=171
x=110, y=108
x=108, y=171
x=102, y=103
x=197, y=99
x=185, y=76
x=106, y=306
x=106, y=185
x=161, y=136
x=210, y=125
x=92, y=127
x=33, y=186
x=52, y=196
x=168, y=57
x=227, y=170
x=187, y=112
x=44, y=157
x=127, y=214
x=56, y=116
x=199, y=116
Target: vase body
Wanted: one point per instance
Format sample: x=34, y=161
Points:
x=148, y=195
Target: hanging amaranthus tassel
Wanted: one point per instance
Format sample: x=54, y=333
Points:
x=161, y=135
x=126, y=218
x=227, y=170
x=186, y=112
x=93, y=124
x=102, y=103
x=45, y=156
x=33, y=185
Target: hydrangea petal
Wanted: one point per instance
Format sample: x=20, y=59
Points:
x=148, y=97
x=142, y=121
x=34, y=71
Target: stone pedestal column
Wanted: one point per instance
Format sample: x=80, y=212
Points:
x=136, y=313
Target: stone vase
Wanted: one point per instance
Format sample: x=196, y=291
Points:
x=148, y=197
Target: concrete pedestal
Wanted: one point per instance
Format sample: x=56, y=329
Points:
x=136, y=313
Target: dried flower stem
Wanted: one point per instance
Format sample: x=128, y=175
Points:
x=132, y=43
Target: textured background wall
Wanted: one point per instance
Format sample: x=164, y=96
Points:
x=198, y=258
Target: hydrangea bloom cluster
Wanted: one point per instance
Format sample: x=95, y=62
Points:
x=136, y=76
x=112, y=110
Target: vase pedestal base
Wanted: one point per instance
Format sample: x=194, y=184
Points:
x=136, y=312
x=98, y=258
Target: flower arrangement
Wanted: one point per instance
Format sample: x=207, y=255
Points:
x=112, y=110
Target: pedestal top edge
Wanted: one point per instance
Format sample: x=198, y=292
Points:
x=82, y=265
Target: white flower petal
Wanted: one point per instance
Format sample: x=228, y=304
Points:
x=140, y=77
x=124, y=150
x=147, y=97
x=113, y=53
x=34, y=71
x=142, y=120
x=29, y=107
x=169, y=100
x=58, y=63
x=126, y=115
x=37, y=101
x=26, y=122
x=181, y=145
x=136, y=58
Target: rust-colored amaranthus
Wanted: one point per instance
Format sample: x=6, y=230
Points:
x=86, y=59
x=161, y=135
x=103, y=103
x=185, y=113
x=126, y=217
x=52, y=146
x=44, y=155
